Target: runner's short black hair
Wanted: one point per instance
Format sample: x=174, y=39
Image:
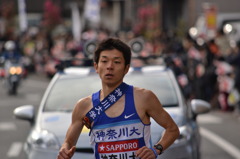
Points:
x=113, y=43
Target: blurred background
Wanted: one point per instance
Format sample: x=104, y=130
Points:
x=200, y=39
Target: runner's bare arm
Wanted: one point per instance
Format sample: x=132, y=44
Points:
x=156, y=111
x=68, y=147
x=152, y=107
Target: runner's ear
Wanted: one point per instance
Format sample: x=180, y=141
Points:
x=127, y=68
x=95, y=66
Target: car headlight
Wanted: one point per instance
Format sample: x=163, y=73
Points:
x=43, y=139
x=185, y=134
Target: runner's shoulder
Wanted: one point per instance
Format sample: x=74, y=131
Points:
x=84, y=103
x=142, y=92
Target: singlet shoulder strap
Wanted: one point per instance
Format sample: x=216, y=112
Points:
x=95, y=98
x=130, y=99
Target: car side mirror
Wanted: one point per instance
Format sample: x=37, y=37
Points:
x=200, y=106
x=25, y=112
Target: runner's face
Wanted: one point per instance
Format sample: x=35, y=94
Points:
x=111, y=67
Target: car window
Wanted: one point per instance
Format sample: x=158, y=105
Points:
x=161, y=85
x=66, y=92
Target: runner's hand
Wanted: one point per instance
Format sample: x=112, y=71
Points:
x=65, y=153
x=145, y=153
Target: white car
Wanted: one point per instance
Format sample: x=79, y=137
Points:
x=50, y=124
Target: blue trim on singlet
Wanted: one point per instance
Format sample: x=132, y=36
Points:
x=117, y=124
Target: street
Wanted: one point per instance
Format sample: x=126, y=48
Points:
x=220, y=134
x=13, y=132
x=219, y=130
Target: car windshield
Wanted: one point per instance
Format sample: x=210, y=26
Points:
x=66, y=92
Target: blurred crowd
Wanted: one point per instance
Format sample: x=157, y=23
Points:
x=209, y=71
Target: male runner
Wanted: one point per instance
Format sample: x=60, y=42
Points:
x=122, y=130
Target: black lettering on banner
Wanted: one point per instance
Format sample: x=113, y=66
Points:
x=119, y=156
x=112, y=156
x=104, y=157
x=123, y=156
x=132, y=156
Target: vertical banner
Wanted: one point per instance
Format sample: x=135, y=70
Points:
x=210, y=11
x=92, y=10
x=23, y=24
x=76, y=22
